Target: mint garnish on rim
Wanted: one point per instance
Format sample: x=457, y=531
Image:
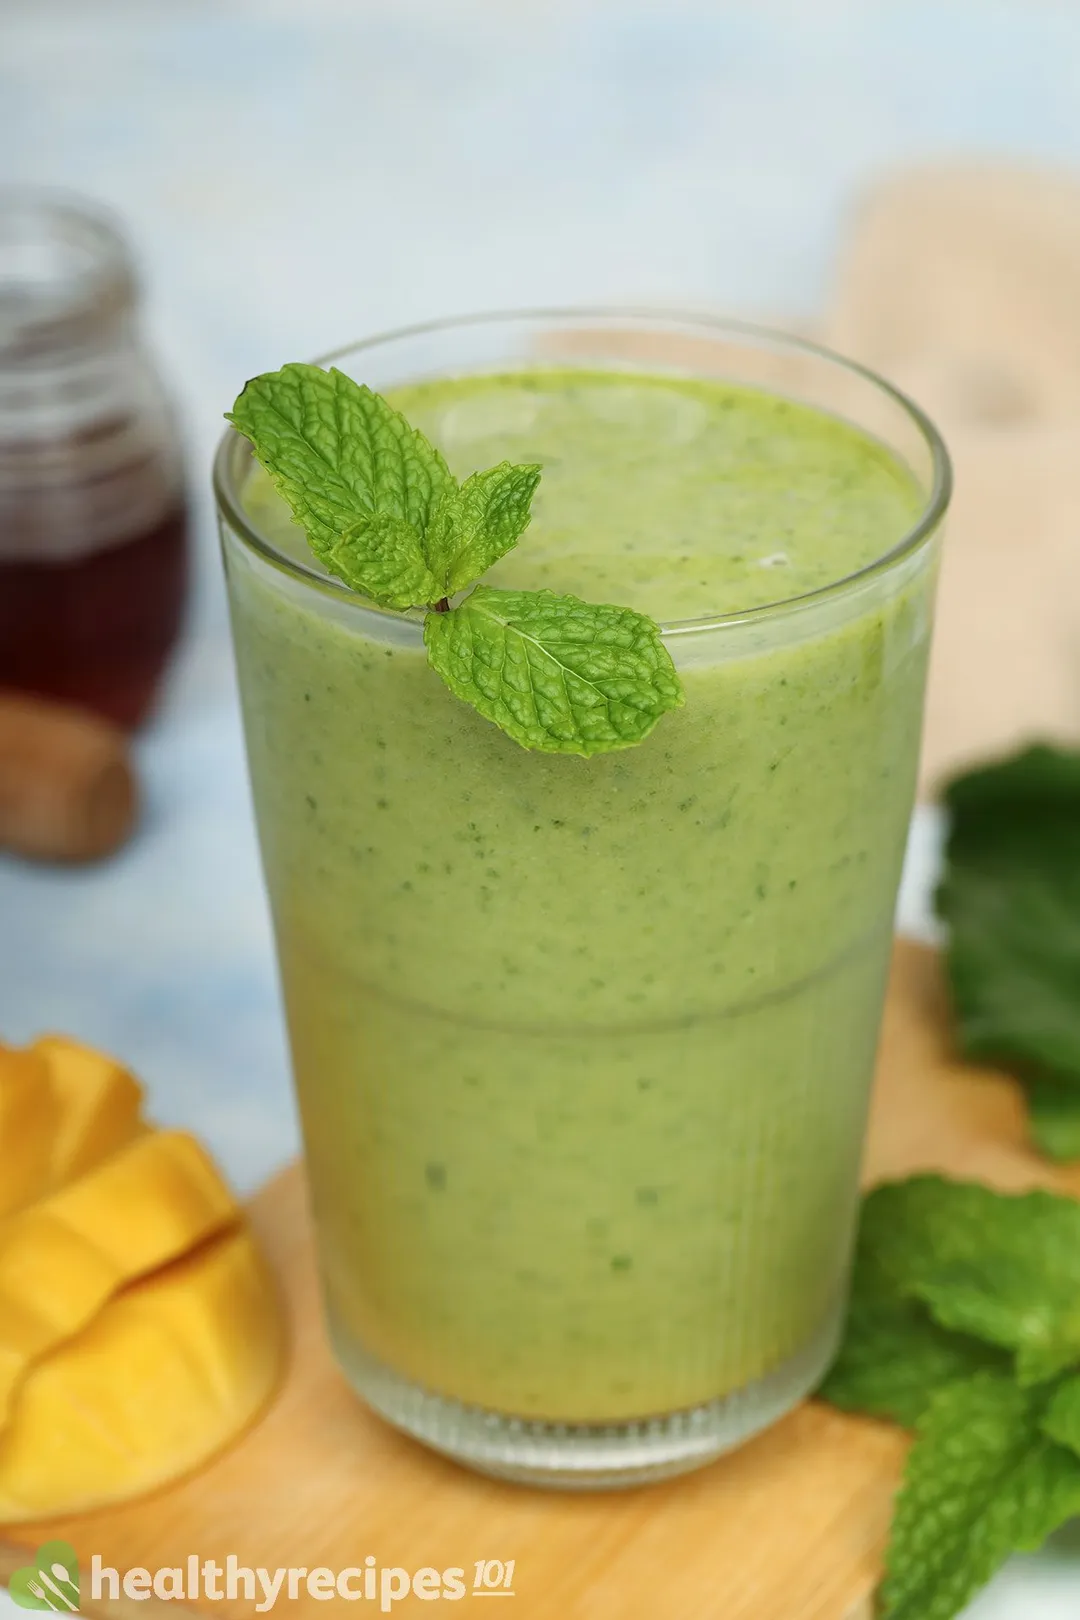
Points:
x=383, y=512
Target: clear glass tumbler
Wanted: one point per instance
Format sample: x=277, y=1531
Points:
x=587, y=1229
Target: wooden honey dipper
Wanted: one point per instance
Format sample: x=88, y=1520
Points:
x=67, y=788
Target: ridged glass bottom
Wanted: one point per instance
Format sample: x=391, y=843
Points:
x=586, y=1457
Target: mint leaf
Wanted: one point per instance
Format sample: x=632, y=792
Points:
x=1011, y=898
x=494, y=508
x=380, y=556
x=894, y=1357
x=1061, y=1420
x=383, y=512
x=555, y=673
x=999, y=1268
x=472, y=527
x=442, y=538
x=982, y=1481
x=337, y=452
x=1054, y=1117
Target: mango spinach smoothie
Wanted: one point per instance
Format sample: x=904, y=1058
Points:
x=583, y=1046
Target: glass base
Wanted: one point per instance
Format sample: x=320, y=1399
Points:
x=588, y=1457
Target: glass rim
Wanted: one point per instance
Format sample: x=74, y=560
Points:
x=933, y=510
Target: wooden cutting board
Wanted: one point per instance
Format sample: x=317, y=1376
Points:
x=789, y=1528
x=958, y=282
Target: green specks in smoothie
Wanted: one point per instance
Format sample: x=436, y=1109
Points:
x=435, y=1176
x=621, y=1262
x=745, y=1043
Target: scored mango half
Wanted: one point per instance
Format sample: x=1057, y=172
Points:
x=29, y=1118
x=99, y=1105
x=65, y=1256
x=162, y=1379
x=139, y=1327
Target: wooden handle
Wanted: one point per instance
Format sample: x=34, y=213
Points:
x=67, y=789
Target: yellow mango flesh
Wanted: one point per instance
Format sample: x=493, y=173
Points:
x=168, y=1372
x=65, y=1256
x=29, y=1115
x=98, y=1100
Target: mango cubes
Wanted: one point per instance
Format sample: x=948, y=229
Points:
x=139, y=1328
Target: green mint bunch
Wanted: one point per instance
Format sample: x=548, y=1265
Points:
x=965, y=1326
x=1011, y=898
x=383, y=512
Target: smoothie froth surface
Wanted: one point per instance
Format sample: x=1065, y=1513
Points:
x=676, y=496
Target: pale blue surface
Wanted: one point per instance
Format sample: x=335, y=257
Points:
x=300, y=172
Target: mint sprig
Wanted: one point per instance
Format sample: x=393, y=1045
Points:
x=983, y=1481
x=382, y=511
x=964, y=1326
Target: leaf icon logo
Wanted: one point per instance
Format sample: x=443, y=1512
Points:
x=51, y=1581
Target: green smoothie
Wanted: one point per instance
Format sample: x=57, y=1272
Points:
x=583, y=1046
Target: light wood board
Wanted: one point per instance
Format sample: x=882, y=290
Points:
x=789, y=1528
x=958, y=281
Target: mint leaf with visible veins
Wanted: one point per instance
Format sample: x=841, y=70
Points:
x=555, y=673
x=982, y=1481
x=337, y=452
x=381, y=557
x=1011, y=898
x=1004, y=1269
x=996, y=1465
x=472, y=527
x=494, y=508
x=383, y=512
